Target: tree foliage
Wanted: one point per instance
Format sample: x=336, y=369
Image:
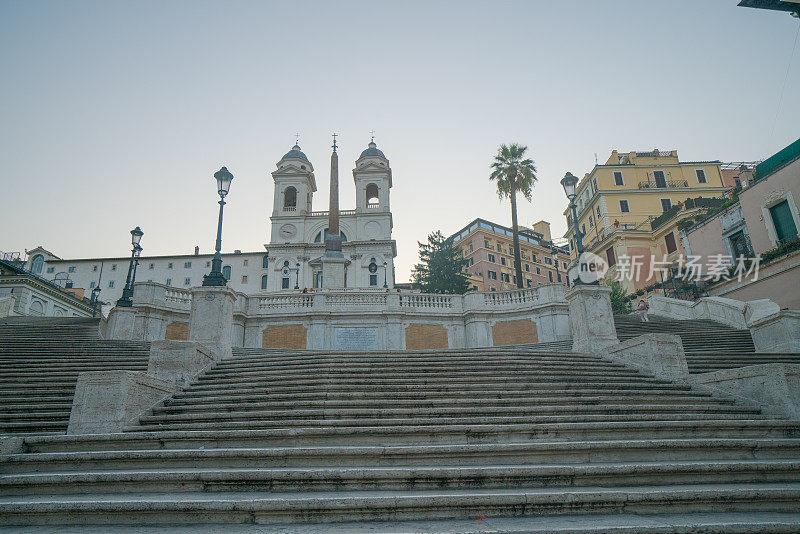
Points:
x=620, y=300
x=441, y=267
x=514, y=173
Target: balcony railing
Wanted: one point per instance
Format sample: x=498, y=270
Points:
x=325, y=213
x=669, y=184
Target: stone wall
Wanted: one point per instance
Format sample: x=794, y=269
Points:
x=426, y=336
x=286, y=336
x=514, y=332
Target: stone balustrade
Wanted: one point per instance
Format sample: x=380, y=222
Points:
x=535, y=314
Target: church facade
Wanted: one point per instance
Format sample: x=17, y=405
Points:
x=289, y=262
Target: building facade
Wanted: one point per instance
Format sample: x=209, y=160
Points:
x=289, y=262
x=764, y=222
x=489, y=249
x=633, y=205
x=24, y=293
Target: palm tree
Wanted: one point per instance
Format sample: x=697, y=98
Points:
x=514, y=173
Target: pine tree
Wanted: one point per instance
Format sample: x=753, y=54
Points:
x=441, y=267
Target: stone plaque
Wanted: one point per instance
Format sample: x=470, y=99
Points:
x=355, y=338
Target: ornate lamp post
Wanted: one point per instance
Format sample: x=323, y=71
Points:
x=297, y=277
x=127, y=292
x=385, y=284
x=93, y=300
x=570, y=182
x=215, y=277
x=554, y=252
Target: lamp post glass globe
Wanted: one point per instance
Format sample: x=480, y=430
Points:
x=224, y=179
x=136, y=236
x=569, y=182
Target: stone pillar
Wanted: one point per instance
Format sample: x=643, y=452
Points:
x=106, y=402
x=333, y=270
x=211, y=319
x=178, y=362
x=591, y=318
x=121, y=323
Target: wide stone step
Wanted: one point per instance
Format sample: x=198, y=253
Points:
x=261, y=507
x=533, y=452
x=229, y=422
x=265, y=403
x=319, y=479
x=426, y=411
x=135, y=439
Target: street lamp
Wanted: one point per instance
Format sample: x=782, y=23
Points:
x=93, y=300
x=385, y=285
x=554, y=252
x=127, y=292
x=215, y=277
x=297, y=277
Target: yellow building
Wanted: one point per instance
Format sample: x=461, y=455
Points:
x=489, y=249
x=630, y=208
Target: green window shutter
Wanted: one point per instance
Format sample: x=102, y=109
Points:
x=784, y=222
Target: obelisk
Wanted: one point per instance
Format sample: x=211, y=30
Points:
x=333, y=262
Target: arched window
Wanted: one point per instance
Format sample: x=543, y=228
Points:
x=36, y=308
x=372, y=196
x=318, y=239
x=37, y=264
x=265, y=262
x=264, y=282
x=290, y=198
x=226, y=272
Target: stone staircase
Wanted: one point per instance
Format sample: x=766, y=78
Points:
x=709, y=346
x=522, y=440
x=40, y=359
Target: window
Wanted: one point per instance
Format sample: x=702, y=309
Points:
x=94, y=268
x=565, y=265
x=226, y=272
x=169, y=281
x=37, y=264
x=660, y=179
x=594, y=184
x=290, y=198
x=670, y=241
x=491, y=258
x=739, y=245
x=71, y=269
x=51, y=270
x=538, y=271
x=548, y=261
x=666, y=204
x=470, y=247
x=187, y=281
x=534, y=257
x=610, y=256
x=591, y=221
x=187, y=265
x=244, y=279
x=285, y=282
x=701, y=176
x=502, y=261
x=486, y=244
x=264, y=282
x=559, y=277
x=624, y=207
x=151, y=266
x=244, y=263
x=550, y=273
x=785, y=228
x=504, y=277
x=528, y=282
x=372, y=196
x=527, y=267
x=169, y=265
x=373, y=279
x=318, y=238
x=583, y=229
x=618, y=178
x=598, y=213
x=111, y=284
x=114, y=267
x=265, y=262
x=492, y=275
x=514, y=280
x=91, y=285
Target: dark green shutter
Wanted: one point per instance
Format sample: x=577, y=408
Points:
x=784, y=222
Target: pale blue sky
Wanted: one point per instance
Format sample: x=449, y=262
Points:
x=116, y=114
